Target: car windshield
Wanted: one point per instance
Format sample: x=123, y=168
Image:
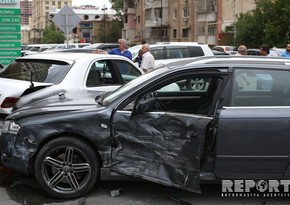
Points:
x=131, y=85
x=39, y=71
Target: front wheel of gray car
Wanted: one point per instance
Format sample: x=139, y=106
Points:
x=66, y=168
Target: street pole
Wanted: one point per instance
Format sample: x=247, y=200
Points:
x=104, y=9
x=161, y=21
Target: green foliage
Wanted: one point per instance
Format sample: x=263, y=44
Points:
x=51, y=35
x=268, y=23
x=118, y=6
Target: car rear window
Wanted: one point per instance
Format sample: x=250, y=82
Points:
x=38, y=71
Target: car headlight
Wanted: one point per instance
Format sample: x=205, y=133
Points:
x=10, y=127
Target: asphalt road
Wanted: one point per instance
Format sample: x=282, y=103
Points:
x=16, y=189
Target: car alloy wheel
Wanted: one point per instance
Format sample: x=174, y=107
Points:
x=66, y=167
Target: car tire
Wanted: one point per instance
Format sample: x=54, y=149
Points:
x=196, y=84
x=66, y=168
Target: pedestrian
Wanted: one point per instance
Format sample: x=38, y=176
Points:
x=265, y=50
x=138, y=59
x=121, y=50
x=242, y=50
x=148, y=60
x=286, y=54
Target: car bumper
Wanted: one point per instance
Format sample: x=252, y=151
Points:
x=1, y=124
x=14, y=155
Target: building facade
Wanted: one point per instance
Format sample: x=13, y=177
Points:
x=26, y=11
x=39, y=19
x=182, y=20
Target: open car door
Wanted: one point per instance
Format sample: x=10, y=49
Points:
x=161, y=141
x=162, y=147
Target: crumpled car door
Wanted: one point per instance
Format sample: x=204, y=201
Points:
x=162, y=147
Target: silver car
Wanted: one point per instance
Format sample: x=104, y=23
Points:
x=62, y=72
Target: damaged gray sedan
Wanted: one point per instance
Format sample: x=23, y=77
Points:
x=160, y=128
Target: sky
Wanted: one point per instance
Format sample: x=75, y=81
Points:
x=99, y=3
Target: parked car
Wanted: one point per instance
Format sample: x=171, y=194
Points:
x=173, y=137
x=68, y=71
x=103, y=46
x=231, y=50
x=166, y=52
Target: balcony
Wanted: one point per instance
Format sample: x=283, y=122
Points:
x=130, y=11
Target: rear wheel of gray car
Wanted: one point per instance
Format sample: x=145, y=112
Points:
x=66, y=168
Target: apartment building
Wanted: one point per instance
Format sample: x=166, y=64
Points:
x=39, y=19
x=182, y=20
x=26, y=11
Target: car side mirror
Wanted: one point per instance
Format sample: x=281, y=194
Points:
x=143, y=105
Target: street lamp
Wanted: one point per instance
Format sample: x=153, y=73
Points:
x=104, y=9
x=161, y=21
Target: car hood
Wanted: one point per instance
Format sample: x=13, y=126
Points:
x=61, y=101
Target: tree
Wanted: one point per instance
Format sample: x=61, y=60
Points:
x=51, y=35
x=268, y=23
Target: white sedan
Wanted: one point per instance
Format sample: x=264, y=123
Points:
x=62, y=72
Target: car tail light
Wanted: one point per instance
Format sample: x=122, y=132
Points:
x=9, y=102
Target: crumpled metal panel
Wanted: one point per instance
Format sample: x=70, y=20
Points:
x=160, y=147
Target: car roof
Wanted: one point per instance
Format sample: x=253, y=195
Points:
x=69, y=56
x=231, y=60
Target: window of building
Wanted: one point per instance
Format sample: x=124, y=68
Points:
x=158, y=13
x=174, y=16
x=174, y=34
x=185, y=32
x=53, y=3
x=46, y=2
x=126, y=18
x=138, y=19
x=185, y=13
x=148, y=14
x=97, y=16
x=85, y=17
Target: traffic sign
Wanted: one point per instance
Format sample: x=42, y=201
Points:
x=10, y=53
x=5, y=61
x=10, y=19
x=10, y=36
x=9, y=28
x=10, y=44
x=8, y=11
x=66, y=19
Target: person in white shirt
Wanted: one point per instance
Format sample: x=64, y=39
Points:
x=148, y=60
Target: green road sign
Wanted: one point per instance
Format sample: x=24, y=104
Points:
x=10, y=36
x=10, y=19
x=10, y=44
x=9, y=28
x=8, y=11
x=5, y=61
x=10, y=52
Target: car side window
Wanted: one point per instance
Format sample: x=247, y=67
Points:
x=191, y=95
x=127, y=71
x=157, y=53
x=101, y=73
x=261, y=88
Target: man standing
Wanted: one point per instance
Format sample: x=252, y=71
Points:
x=121, y=50
x=148, y=60
x=286, y=54
x=242, y=50
x=265, y=50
